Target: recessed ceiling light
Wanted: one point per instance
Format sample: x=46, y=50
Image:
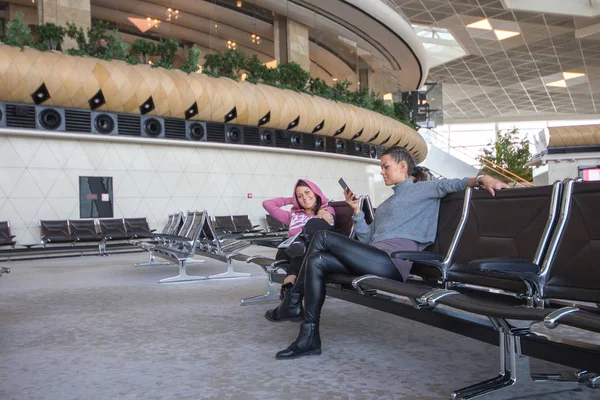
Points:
x=561, y=83
x=483, y=24
x=572, y=75
x=501, y=35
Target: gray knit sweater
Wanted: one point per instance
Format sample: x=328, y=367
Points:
x=410, y=213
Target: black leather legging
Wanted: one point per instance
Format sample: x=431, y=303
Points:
x=312, y=226
x=332, y=253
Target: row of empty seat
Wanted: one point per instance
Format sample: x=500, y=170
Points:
x=199, y=234
x=72, y=232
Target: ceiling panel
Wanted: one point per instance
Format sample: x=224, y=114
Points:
x=509, y=77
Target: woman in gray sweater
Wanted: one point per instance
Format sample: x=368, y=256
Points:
x=407, y=220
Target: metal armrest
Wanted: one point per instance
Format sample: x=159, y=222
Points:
x=512, y=267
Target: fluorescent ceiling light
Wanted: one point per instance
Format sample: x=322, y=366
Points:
x=572, y=75
x=483, y=24
x=501, y=35
x=561, y=83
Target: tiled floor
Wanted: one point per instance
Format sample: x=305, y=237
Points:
x=99, y=328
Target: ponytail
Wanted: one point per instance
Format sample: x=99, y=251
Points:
x=420, y=174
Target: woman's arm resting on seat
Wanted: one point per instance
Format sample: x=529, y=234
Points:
x=273, y=207
x=488, y=183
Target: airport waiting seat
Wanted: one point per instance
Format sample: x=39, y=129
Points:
x=562, y=283
x=138, y=228
x=6, y=238
x=55, y=231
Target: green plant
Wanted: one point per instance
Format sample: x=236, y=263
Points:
x=191, y=61
x=76, y=52
x=17, y=33
x=144, y=49
x=509, y=153
x=166, y=49
x=51, y=35
x=361, y=98
x=319, y=87
x=341, y=91
x=271, y=76
x=233, y=62
x=78, y=35
x=255, y=69
x=292, y=76
x=131, y=60
x=88, y=46
x=117, y=48
x=94, y=33
x=212, y=64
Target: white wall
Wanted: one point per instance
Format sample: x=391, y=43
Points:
x=39, y=177
x=562, y=166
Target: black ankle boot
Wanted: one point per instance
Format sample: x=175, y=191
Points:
x=290, y=309
x=296, y=249
x=286, y=287
x=308, y=343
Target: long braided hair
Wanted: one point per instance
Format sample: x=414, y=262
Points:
x=401, y=154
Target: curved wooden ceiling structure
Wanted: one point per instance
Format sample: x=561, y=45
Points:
x=73, y=81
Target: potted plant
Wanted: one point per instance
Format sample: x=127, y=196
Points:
x=117, y=49
x=17, y=33
x=166, y=49
x=191, y=61
x=51, y=35
x=144, y=50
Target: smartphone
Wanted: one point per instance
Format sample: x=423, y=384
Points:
x=344, y=185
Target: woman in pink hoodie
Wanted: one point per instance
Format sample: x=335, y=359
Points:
x=309, y=204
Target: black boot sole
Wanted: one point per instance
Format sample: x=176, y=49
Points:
x=296, y=319
x=316, y=352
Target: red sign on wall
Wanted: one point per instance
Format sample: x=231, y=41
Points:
x=591, y=174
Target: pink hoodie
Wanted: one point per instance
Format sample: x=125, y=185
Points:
x=297, y=217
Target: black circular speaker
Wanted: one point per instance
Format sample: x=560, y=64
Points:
x=358, y=148
x=296, y=141
x=340, y=146
x=267, y=138
x=104, y=124
x=234, y=134
x=196, y=131
x=319, y=143
x=373, y=152
x=50, y=119
x=152, y=127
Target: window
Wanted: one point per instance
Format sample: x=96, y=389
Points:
x=95, y=197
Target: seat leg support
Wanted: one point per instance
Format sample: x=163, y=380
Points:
x=515, y=380
x=272, y=294
x=183, y=276
x=229, y=272
x=152, y=261
x=190, y=260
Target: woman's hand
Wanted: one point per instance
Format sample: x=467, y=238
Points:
x=326, y=216
x=491, y=184
x=352, y=201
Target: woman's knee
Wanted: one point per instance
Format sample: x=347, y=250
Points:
x=315, y=225
x=315, y=265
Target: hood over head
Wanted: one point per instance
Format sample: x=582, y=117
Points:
x=314, y=188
